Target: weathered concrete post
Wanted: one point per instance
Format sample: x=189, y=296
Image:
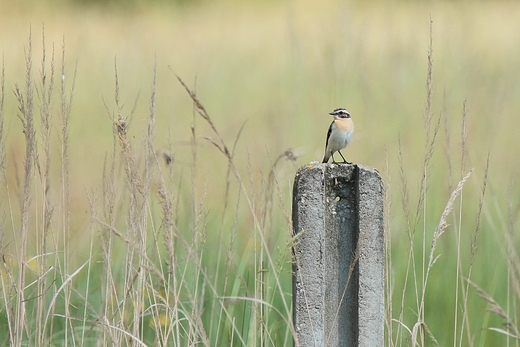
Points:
x=338, y=280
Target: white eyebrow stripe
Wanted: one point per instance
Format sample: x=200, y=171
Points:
x=340, y=112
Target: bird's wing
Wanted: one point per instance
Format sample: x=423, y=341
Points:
x=328, y=135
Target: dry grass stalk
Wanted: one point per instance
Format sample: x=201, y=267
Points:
x=26, y=115
x=441, y=227
x=388, y=251
x=2, y=104
x=473, y=253
x=513, y=212
x=45, y=91
x=459, y=229
x=511, y=326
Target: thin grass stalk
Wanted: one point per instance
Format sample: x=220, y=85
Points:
x=152, y=159
x=513, y=273
x=3, y=175
x=26, y=116
x=143, y=210
x=2, y=105
x=410, y=231
x=196, y=248
x=447, y=142
x=272, y=185
x=428, y=115
x=166, y=200
x=108, y=291
x=218, y=322
x=441, y=227
x=427, y=123
x=45, y=90
x=511, y=329
x=128, y=301
x=3, y=180
x=81, y=339
x=459, y=229
x=229, y=264
x=473, y=253
x=388, y=253
x=66, y=101
x=172, y=254
x=195, y=211
x=109, y=294
x=134, y=223
x=290, y=156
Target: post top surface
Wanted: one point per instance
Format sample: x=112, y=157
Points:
x=336, y=169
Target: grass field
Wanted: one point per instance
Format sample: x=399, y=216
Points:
x=105, y=243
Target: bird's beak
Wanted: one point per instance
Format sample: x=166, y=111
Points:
x=331, y=113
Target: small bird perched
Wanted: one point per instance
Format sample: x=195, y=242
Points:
x=339, y=134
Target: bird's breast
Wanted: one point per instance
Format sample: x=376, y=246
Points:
x=345, y=124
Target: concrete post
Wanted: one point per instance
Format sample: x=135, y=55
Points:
x=338, y=280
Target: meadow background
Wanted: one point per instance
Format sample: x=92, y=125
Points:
x=132, y=216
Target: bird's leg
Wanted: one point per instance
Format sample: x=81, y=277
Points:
x=344, y=160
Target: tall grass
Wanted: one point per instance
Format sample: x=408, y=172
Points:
x=421, y=259
x=186, y=240
x=150, y=276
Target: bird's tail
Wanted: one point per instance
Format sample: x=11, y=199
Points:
x=326, y=158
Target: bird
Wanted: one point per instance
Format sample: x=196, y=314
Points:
x=339, y=134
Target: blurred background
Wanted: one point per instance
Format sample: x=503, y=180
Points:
x=277, y=68
x=280, y=66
